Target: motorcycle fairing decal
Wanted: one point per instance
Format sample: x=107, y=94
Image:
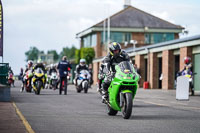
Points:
x=39, y=74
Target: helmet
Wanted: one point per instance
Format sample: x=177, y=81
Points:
x=82, y=62
x=51, y=66
x=187, y=60
x=30, y=63
x=115, y=48
x=39, y=61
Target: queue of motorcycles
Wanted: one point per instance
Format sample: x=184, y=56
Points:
x=36, y=81
x=122, y=90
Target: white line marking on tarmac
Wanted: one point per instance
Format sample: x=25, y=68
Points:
x=196, y=108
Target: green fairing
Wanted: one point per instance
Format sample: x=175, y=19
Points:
x=124, y=83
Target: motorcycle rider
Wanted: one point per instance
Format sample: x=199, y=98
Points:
x=40, y=64
x=63, y=67
x=114, y=57
x=21, y=74
x=100, y=76
x=11, y=76
x=81, y=66
x=52, y=70
x=187, y=63
x=29, y=67
x=10, y=70
x=187, y=66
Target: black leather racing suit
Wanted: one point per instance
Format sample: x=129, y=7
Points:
x=110, y=62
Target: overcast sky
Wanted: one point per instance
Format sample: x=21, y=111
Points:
x=53, y=24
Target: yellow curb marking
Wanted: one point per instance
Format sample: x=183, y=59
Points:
x=25, y=122
x=169, y=105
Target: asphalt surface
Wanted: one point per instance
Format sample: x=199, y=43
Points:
x=154, y=111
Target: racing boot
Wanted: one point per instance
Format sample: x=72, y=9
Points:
x=105, y=93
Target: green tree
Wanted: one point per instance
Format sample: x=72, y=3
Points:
x=55, y=54
x=32, y=54
x=69, y=52
x=85, y=53
x=77, y=56
x=88, y=54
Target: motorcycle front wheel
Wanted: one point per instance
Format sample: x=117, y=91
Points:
x=127, y=105
x=111, y=111
x=38, y=86
x=85, y=88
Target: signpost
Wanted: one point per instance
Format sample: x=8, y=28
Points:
x=1, y=30
x=182, y=89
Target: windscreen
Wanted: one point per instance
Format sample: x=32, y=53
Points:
x=39, y=70
x=126, y=66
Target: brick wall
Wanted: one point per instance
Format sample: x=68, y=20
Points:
x=176, y=36
x=168, y=69
x=185, y=51
x=139, y=37
x=98, y=48
x=154, y=77
x=95, y=72
x=139, y=60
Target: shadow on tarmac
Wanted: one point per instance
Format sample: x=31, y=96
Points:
x=161, y=117
x=147, y=106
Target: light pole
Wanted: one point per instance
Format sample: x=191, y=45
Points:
x=134, y=42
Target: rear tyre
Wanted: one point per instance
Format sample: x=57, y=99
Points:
x=66, y=90
x=192, y=93
x=127, y=105
x=60, y=91
x=78, y=89
x=192, y=89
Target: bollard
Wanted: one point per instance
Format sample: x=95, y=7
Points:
x=5, y=94
x=146, y=85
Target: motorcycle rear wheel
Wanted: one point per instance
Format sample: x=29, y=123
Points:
x=65, y=90
x=127, y=106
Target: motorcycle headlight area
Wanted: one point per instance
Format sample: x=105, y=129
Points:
x=38, y=77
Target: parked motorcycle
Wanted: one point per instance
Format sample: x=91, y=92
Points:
x=38, y=80
x=122, y=90
x=83, y=81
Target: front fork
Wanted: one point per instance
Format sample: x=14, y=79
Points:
x=121, y=95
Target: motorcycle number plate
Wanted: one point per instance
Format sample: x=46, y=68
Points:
x=127, y=77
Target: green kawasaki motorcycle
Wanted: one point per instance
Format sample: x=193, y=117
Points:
x=122, y=90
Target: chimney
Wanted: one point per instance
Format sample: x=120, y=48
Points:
x=127, y=3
